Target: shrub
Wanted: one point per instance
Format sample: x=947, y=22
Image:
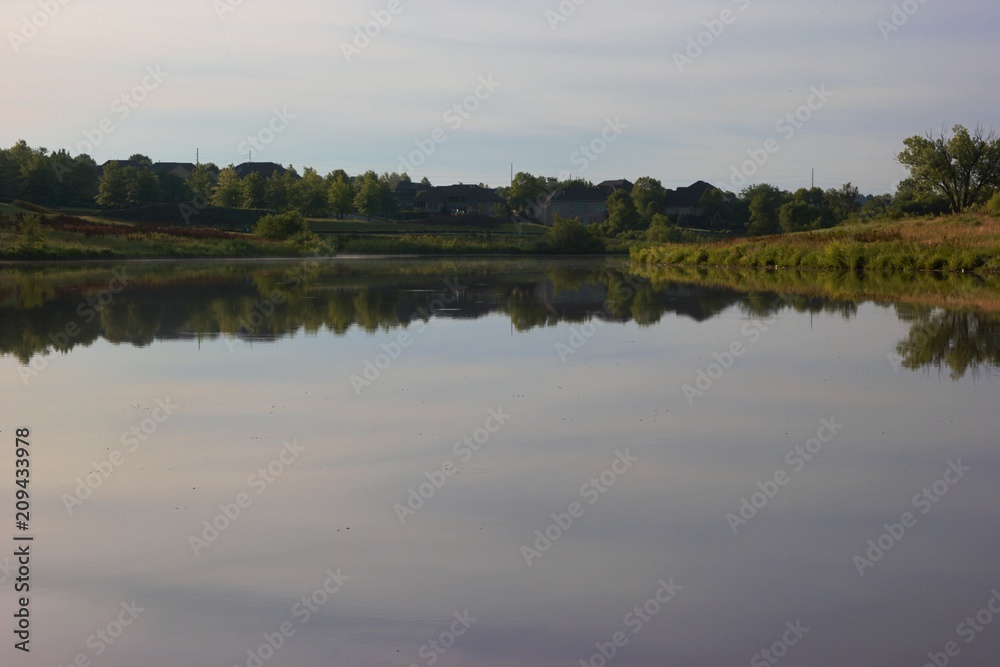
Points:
x=993, y=205
x=281, y=226
x=31, y=233
x=569, y=235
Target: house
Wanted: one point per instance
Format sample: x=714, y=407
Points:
x=406, y=193
x=589, y=203
x=686, y=202
x=457, y=200
x=181, y=170
x=263, y=169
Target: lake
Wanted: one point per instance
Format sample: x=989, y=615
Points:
x=493, y=462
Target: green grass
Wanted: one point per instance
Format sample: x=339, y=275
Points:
x=968, y=243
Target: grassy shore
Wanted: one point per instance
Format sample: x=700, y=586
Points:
x=955, y=243
x=87, y=234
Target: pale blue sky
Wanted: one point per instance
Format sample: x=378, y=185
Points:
x=227, y=71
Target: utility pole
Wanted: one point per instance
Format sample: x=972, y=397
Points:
x=814, y=178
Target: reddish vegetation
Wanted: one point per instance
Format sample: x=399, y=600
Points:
x=91, y=229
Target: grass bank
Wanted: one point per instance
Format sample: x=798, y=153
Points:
x=63, y=237
x=954, y=243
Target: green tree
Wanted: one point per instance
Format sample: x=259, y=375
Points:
x=340, y=193
x=143, y=186
x=764, y=202
x=278, y=195
x=524, y=193
x=649, y=195
x=662, y=230
x=229, y=192
x=387, y=194
x=806, y=210
x=622, y=216
x=202, y=181
x=113, y=189
x=78, y=177
x=368, y=199
x=254, y=191
x=844, y=202
x=38, y=182
x=964, y=168
x=312, y=194
x=31, y=233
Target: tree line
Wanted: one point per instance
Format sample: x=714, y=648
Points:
x=949, y=172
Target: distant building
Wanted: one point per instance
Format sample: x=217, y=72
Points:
x=589, y=204
x=457, y=200
x=181, y=170
x=406, y=194
x=686, y=202
x=263, y=169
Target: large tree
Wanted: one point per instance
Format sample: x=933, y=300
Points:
x=764, y=202
x=113, y=190
x=622, y=216
x=648, y=194
x=963, y=167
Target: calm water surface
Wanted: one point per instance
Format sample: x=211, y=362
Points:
x=494, y=463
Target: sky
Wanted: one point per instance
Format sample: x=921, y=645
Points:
x=727, y=91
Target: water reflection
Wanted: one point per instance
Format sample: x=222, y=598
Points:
x=50, y=309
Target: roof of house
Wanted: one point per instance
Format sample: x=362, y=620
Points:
x=469, y=193
x=688, y=197
x=180, y=169
x=263, y=169
x=620, y=184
